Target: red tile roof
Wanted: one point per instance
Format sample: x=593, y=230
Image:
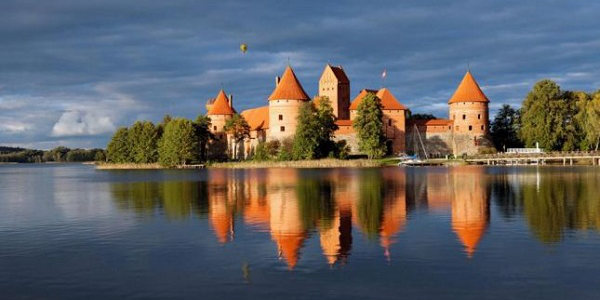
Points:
x=340, y=74
x=289, y=87
x=221, y=106
x=468, y=91
x=432, y=122
x=358, y=99
x=343, y=122
x=388, y=101
x=257, y=118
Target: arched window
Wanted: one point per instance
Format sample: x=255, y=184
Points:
x=470, y=127
x=464, y=117
x=479, y=116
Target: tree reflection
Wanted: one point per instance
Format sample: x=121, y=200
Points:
x=559, y=201
x=370, y=202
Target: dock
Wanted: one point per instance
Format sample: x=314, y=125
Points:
x=564, y=158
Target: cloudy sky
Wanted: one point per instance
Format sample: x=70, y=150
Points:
x=72, y=71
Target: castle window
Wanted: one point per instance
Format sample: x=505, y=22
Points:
x=464, y=117
x=449, y=127
x=470, y=127
x=282, y=128
x=390, y=122
x=280, y=117
x=482, y=127
x=215, y=128
x=479, y=116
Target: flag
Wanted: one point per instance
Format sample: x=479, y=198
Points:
x=383, y=74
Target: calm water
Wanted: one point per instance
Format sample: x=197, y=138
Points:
x=69, y=231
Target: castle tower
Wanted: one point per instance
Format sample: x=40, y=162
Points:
x=335, y=85
x=284, y=105
x=469, y=108
x=219, y=111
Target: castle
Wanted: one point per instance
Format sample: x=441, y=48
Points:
x=464, y=132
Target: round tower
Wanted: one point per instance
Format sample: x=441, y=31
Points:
x=284, y=105
x=219, y=111
x=468, y=108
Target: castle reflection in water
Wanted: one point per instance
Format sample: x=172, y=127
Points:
x=339, y=204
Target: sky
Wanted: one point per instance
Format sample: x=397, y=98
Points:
x=73, y=71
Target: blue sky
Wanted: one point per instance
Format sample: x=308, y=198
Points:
x=72, y=71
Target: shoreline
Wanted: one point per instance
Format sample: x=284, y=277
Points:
x=316, y=164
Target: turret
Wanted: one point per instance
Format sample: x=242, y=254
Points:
x=219, y=111
x=468, y=108
x=284, y=105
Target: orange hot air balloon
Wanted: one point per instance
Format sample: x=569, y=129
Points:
x=244, y=48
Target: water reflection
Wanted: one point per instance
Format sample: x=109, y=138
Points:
x=293, y=205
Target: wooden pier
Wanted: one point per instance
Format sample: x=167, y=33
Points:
x=564, y=158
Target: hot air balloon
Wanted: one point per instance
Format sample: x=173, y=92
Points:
x=244, y=48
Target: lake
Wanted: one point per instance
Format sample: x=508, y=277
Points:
x=68, y=231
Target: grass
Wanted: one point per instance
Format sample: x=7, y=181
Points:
x=128, y=166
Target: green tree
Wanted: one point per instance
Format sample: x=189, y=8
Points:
x=543, y=116
x=178, y=145
x=143, y=142
x=118, y=150
x=504, y=129
x=588, y=120
x=306, y=139
x=369, y=126
x=202, y=126
x=239, y=129
x=327, y=127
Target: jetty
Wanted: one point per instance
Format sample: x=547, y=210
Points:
x=542, y=158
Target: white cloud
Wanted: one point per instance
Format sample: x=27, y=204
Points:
x=12, y=127
x=77, y=123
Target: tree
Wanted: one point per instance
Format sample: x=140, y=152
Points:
x=369, y=126
x=117, y=150
x=588, y=120
x=239, y=130
x=202, y=127
x=504, y=128
x=306, y=139
x=542, y=116
x=143, y=141
x=178, y=145
x=326, y=127
x=421, y=116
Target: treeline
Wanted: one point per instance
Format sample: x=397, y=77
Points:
x=58, y=154
x=181, y=141
x=558, y=120
x=174, y=141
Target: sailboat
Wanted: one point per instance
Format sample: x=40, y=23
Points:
x=416, y=158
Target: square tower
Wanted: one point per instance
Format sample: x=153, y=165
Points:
x=335, y=85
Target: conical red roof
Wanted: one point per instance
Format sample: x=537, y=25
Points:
x=289, y=87
x=221, y=105
x=468, y=91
